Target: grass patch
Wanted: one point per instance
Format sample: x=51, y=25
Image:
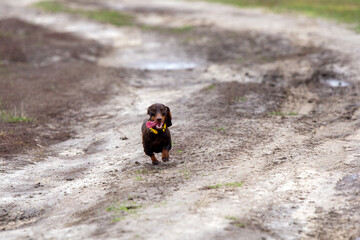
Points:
x=139, y=178
x=215, y=186
x=239, y=224
x=186, y=173
x=210, y=87
x=121, y=209
x=235, y=221
x=292, y=114
x=180, y=151
x=146, y=172
x=182, y=29
x=219, y=128
x=13, y=118
x=106, y=16
x=233, y=184
x=240, y=99
x=276, y=113
x=176, y=30
x=109, y=16
x=232, y=218
x=230, y=184
x=52, y=7
x=346, y=11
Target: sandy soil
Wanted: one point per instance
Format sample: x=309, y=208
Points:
x=265, y=124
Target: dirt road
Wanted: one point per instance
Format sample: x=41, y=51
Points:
x=265, y=124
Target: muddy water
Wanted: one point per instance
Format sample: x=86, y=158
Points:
x=152, y=53
x=336, y=83
x=255, y=114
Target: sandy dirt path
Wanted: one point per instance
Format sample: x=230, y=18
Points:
x=265, y=128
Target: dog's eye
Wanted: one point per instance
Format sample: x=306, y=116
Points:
x=163, y=113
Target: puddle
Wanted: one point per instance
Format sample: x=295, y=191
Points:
x=151, y=53
x=333, y=82
x=349, y=182
x=163, y=65
x=148, y=56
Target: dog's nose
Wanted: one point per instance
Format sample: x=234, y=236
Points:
x=158, y=119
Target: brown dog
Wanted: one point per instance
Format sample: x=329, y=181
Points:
x=155, y=132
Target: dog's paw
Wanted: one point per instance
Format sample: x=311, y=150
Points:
x=165, y=155
x=154, y=160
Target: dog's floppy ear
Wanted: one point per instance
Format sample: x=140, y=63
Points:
x=148, y=110
x=168, y=117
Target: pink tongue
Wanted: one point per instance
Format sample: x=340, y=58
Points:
x=150, y=124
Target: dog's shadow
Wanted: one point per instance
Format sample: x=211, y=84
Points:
x=160, y=166
x=146, y=165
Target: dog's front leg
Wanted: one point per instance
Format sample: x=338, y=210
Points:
x=165, y=155
x=154, y=160
x=165, y=152
x=150, y=153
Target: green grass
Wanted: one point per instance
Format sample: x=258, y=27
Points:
x=292, y=114
x=230, y=184
x=186, y=173
x=145, y=171
x=276, y=113
x=13, y=118
x=106, y=16
x=239, y=224
x=346, y=11
x=219, y=128
x=235, y=221
x=122, y=209
x=182, y=29
x=240, y=99
x=232, y=218
x=210, y=87
x=139, y=178
x=176, y=30
x=233, y=184
x=215, y=186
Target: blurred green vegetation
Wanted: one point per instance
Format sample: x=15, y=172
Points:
x=105, y=16
x=347, y=11
x=13, y=118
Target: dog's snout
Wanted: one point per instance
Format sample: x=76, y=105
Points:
x=158, y=119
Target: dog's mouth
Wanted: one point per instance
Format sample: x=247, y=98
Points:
x=159, y=125
x=151, y=124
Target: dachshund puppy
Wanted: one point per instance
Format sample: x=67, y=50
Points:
x=155, y=132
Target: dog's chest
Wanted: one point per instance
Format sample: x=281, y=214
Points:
x=157, y=142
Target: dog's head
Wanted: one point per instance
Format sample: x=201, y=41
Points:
x=160, y=114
